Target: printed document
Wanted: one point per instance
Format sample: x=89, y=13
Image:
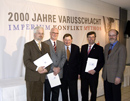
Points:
x=54, y=80
x=44, y=60
x=91, y=64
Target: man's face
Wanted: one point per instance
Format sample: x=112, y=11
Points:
x=54, y=34
x=67, y=41
x=91, y=39
x=112, y=36
x=39, y=35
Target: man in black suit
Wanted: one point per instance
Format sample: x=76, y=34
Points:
x=70, y=70
x=90, y=78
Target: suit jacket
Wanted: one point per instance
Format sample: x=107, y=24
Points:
x=57, y=57
x=31, y=53
x=115, y=64
x=96, y=53
x=71, y=67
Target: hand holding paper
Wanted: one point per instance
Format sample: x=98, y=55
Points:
x=53, y=80
x=91, y=64
x=44, y=60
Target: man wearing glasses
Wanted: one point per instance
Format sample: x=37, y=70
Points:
x=58, y=57
x=115, y=59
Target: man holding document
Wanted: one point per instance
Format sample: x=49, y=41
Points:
x=35, y=75
x=58, y=56
x=92, y=60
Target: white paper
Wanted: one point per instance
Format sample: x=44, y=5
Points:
x=91, y=64
x=54, y=80
x=44, y=60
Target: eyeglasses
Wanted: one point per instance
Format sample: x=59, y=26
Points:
x=54, y=33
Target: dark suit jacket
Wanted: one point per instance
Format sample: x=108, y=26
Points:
x=96, y=53
x=31, y=53
x=115, y=64
x=71, y=67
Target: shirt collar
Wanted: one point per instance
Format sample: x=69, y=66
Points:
x=52, y=42
x=91, y=45
x=36, y=42
x=68, y=47
x=115, y=43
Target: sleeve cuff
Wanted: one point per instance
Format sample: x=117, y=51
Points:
x=37, y=68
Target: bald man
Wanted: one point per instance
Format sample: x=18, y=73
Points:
x=58, y=56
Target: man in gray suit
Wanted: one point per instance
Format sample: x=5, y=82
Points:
x=115, y=59
x=58, y=57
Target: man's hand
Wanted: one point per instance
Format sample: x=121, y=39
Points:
x=92, y=72
x=44, y=71
x=117, y=81
x=56, y=70
x=41, y=70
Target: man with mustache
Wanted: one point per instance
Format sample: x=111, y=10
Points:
x=35, y=76
x=115, y=59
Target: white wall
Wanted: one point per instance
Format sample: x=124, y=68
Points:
x=89, y=6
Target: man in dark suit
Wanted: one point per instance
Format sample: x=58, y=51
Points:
x=35, y=76
x=115, y=59
x=58, y=56
x=90, y=78
x=70, y=70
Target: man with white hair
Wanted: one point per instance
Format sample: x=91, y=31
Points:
x=35, y=76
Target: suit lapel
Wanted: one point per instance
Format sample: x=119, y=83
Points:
x=43, y=49
x=71, y=54
x=35, y=45
x=94, y=47
x=114, y=49
x=50, y=44
x=106, y=52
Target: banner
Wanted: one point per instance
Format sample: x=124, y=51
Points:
x=19, y=18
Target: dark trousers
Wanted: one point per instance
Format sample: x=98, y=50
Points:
x=73, y=92
x=91, y=82
x=34, y=90
x=49, y=90
x=112, y=91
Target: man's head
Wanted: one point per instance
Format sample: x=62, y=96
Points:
x=67, y=39
x=38, y=33
x=91, y=36
x=54, y=34
x=113, y=34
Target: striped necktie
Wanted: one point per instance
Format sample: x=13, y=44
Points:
x=89, y=49
x=54, y=46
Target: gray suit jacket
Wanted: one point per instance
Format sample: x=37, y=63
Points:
x=115, y=64
x=58, y=57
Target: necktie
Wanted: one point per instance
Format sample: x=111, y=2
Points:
x=39, y=46
x=55, y=46
x=89, y=49
x=68, y=53
x=110, y=49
